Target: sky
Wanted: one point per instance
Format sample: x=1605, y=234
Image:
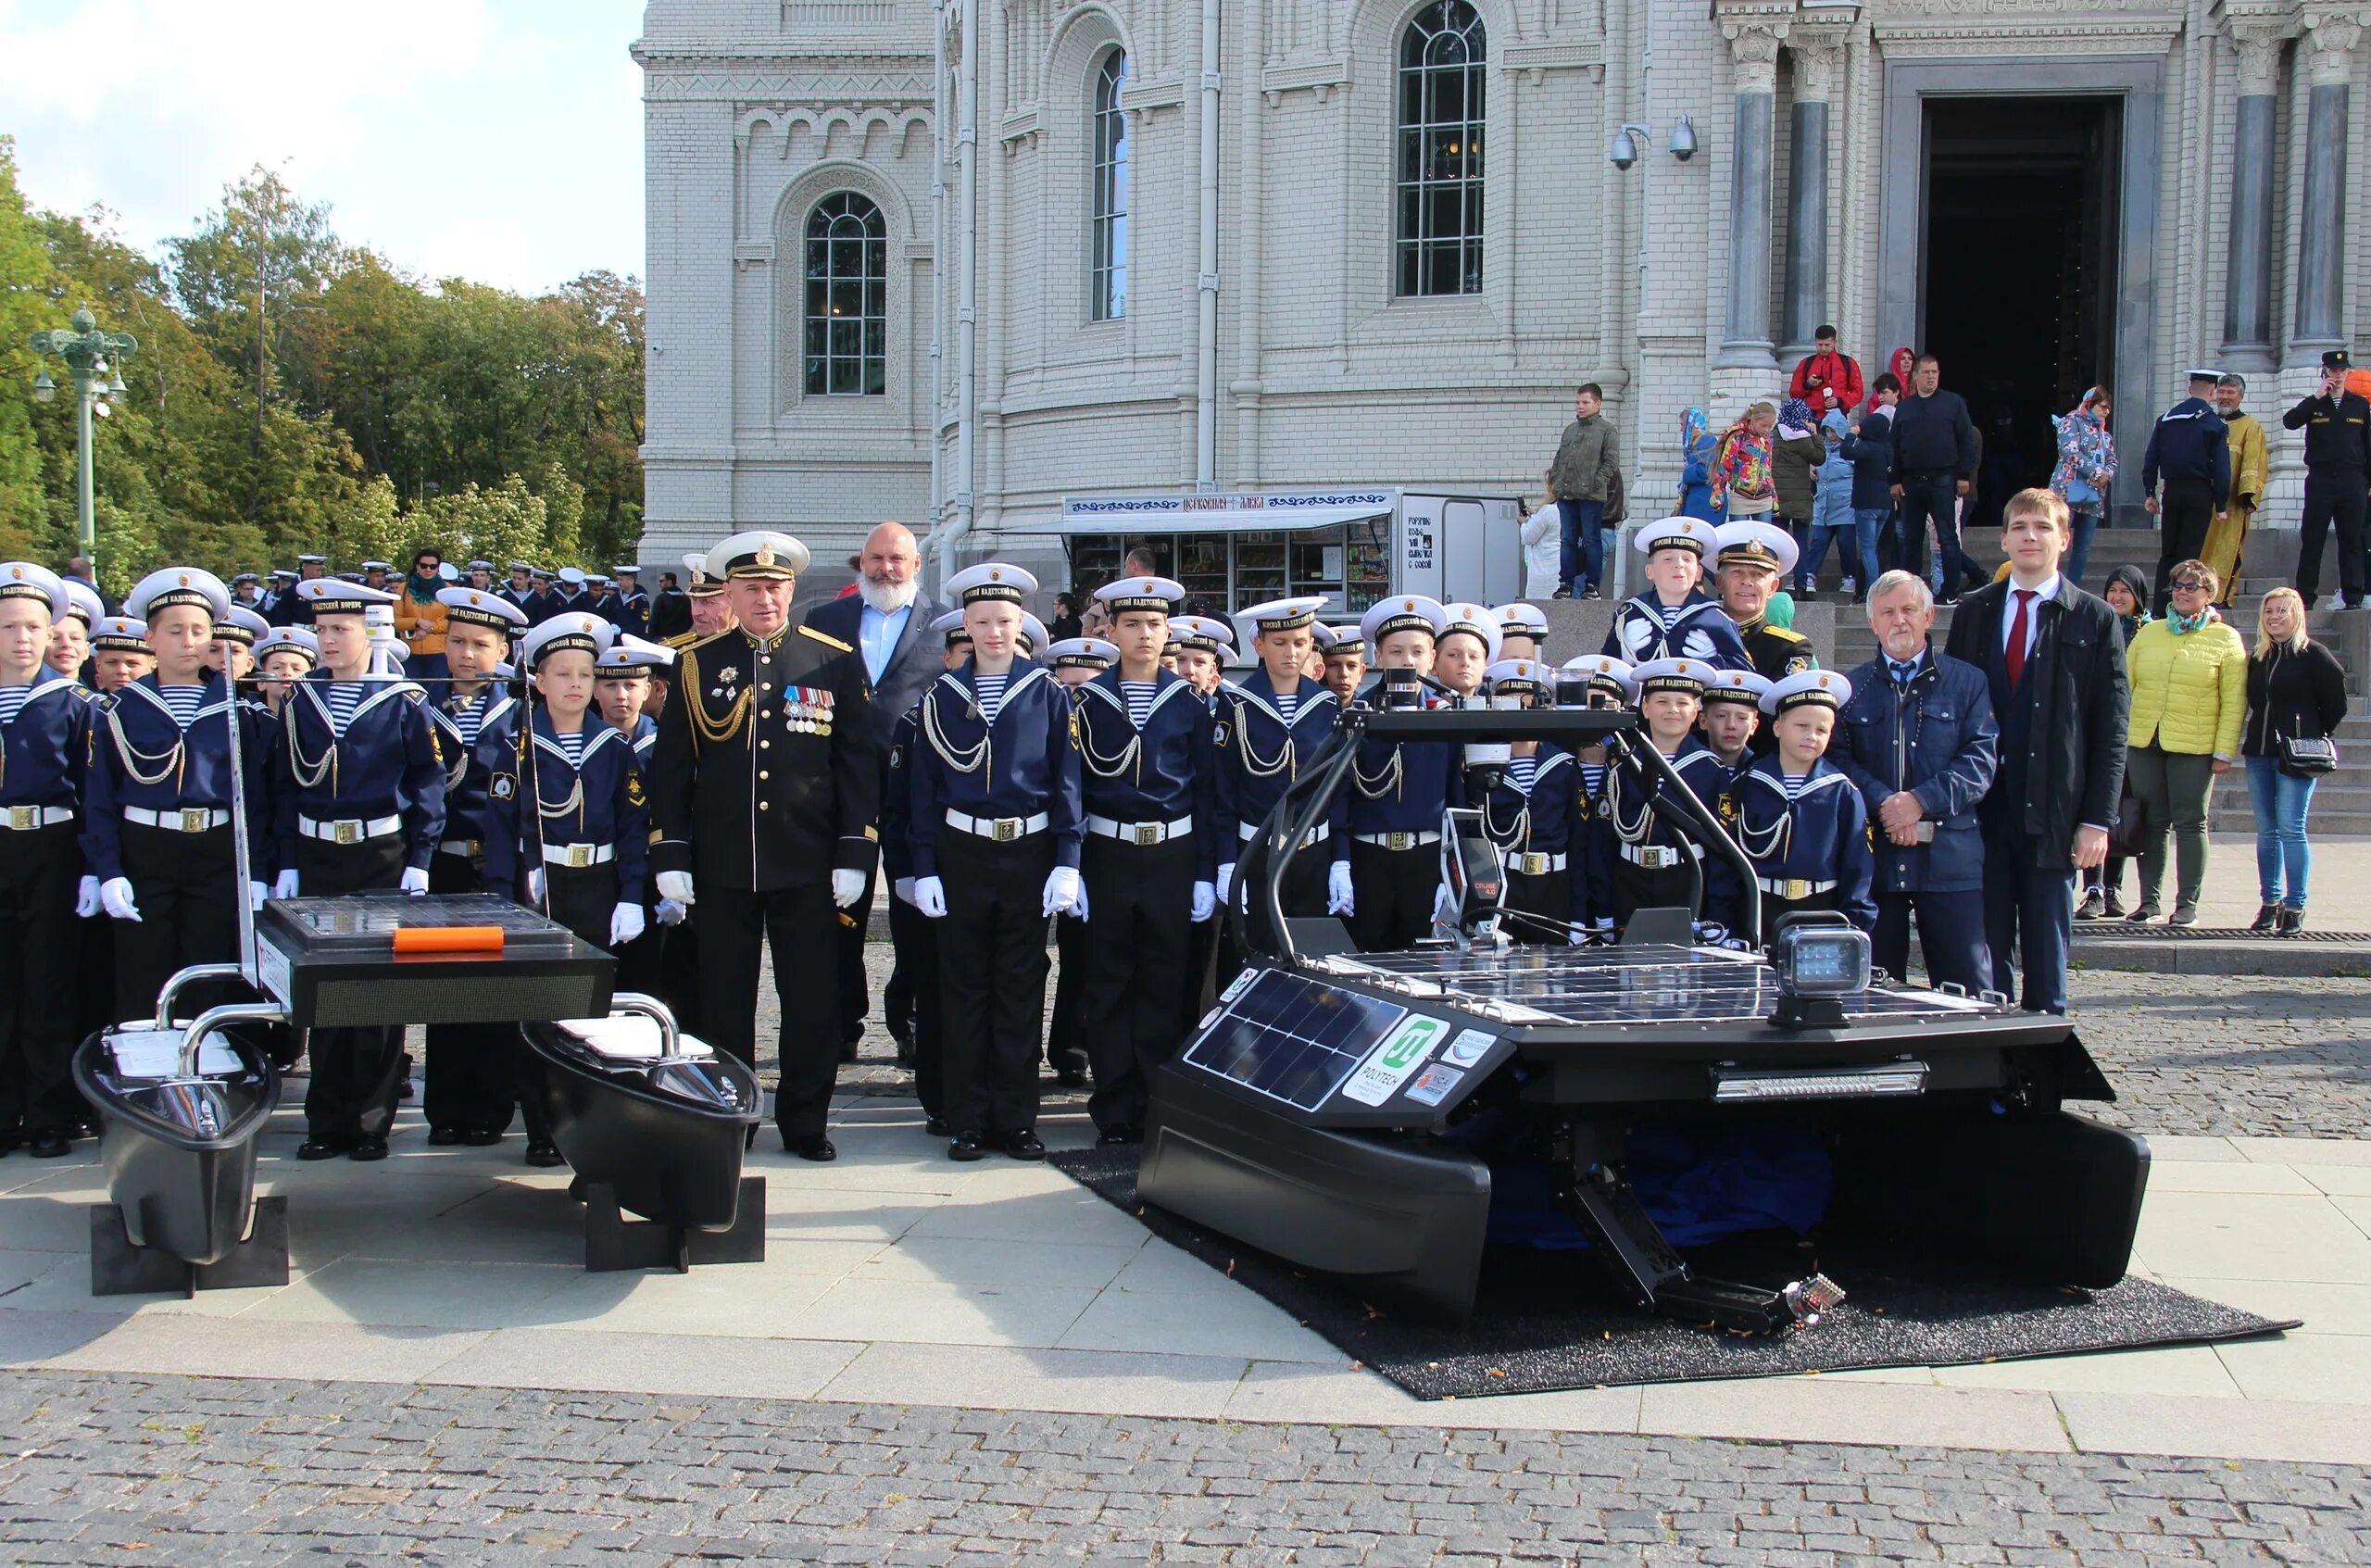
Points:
x=495, y=140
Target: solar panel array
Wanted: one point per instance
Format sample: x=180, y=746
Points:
x=1293, y=1039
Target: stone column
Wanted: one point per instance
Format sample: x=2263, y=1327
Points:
x=1817, y=55
x=1753, y=58
x=2321, y=237
x=2247, y=284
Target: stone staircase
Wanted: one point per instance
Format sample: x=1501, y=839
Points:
x=1839, y=631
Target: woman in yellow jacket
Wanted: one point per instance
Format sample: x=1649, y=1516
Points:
x=420, y=621
x=2190, y=698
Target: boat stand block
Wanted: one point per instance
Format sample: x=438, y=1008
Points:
x=613, y=1242
x=119, y=1268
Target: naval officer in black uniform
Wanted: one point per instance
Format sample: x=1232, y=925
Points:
x=1754, y=558
x=764, y=786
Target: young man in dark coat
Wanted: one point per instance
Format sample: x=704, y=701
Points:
x=2053, y=660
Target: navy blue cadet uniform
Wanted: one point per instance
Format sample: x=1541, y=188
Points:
x=1261, y=752
x=1150, y=795
x=472, y=1086
x=45, y=735
x=921, y=946
x=2190, y=449
x=1650, y=863
x=1809, y=843
x=995, y=809
x=1924, y=727
x=158, y=803
x=354, y=807
x=590, y=832
x=1534, y=813
x=1696, y=627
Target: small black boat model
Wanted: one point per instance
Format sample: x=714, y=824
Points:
x=654, y=1124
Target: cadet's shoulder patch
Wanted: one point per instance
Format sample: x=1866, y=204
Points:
x=503, y=786
x=1220, y=737
x=828, y=640
x=1074, y=743
x=634, y=793
x=1801, y=663
x=897, y=757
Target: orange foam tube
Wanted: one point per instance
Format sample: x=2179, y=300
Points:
x=449, y=939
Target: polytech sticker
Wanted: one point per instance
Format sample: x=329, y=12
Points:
x=1397, y=1055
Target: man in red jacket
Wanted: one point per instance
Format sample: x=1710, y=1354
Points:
x=1826, y=379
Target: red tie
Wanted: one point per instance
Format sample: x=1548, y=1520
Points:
x=2017, y=635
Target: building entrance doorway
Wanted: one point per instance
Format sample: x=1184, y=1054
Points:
x=2017, y=271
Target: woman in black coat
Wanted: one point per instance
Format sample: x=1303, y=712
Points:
x=2296, y=691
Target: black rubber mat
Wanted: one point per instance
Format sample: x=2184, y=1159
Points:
x=1548, y=1321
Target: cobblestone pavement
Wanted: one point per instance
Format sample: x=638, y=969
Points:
x=2215, y=1056
x=108, y=1470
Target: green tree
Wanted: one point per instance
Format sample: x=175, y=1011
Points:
x=25, y=308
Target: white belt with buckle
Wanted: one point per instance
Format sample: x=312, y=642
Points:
x=1654, y=857
x=1536, y=865
x=1142, y=834
x=1003, y=830
x=349, y=830
x=461, y=846
x=1246, y=832
x=1398, y=840
x=1793, y=886
x=197, y=819
x=578, y=856
x=22, y=818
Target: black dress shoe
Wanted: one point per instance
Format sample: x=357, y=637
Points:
x=1123, y=1134
x=1070, y=1077
x=816, y=1148
x=1023, y=1145
x=847, y=1049
x=445, y=1138
x=51, y=1143
x=542, y=1155
x=368, y=1148
x=2292, y=924
x=938, y=1127
x=480, y=1138
x=967, y=1145
x=324, y=1145
x=2266, y=918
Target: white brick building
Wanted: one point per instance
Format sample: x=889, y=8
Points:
x=2049, y=192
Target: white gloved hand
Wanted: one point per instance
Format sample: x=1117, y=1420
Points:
x=87, y=897
x=930, y=896
x=1444, y=907
x=847, y=889
x=1206, y=901
x=415, y=880
x=678, y=886
x=284, y=885
x=1605, y=925
x=1575, y=937
x=115, y=897
x=1063, y=892
x=904, y=888
x=1226, y=881
x=1339, y=899
x=625, y=924
x=671, y=912
x=256, y=893
x=535, y=886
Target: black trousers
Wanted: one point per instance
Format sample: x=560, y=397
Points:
x=916, y=936
x=2184, y=512
x=1393, y=891
x=186, y=885
x=901, y=998
x=1636, y=889
x=799, y=925
x=2331, y=498
x=39, y=941
x=1550, y=896
x=355, y=1072
x=679, y=974
x=854, y=989
x=1141, y=901
x=1303, y=897
x=1066, y=1036
x=992, y=974
x=471, y=1082
x=1931, y=493
x=87, y=993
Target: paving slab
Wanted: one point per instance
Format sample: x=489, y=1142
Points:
x=1119, y=1383
x=688, y=1362
x=2241, y=1429
x=1819, y=1409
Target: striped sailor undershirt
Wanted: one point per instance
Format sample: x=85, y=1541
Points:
x=1794, y=782
x=572, y=742
x=12, y=700
x=182, y=702
x=1523, y=772
x=989, y=690
x=1287, y=703
x=469, y=717
x=1670, y=613
x=1139, y=695
x=1592, y=778
x=343, y=697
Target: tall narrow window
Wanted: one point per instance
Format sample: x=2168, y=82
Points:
x=1107, y=286
x=848, y=299
x=1439, y=224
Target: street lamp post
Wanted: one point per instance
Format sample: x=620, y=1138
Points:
x=87, y=352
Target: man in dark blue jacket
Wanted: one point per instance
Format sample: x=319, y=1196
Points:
x=886, y=621
x=2192, y=449
x=1868, y=447
x=2053, y=657
x=1933, y=459
x=1918, y=741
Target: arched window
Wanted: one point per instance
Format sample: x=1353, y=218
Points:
x=1108, y=282
x=1440, y=151
x=848, y=299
